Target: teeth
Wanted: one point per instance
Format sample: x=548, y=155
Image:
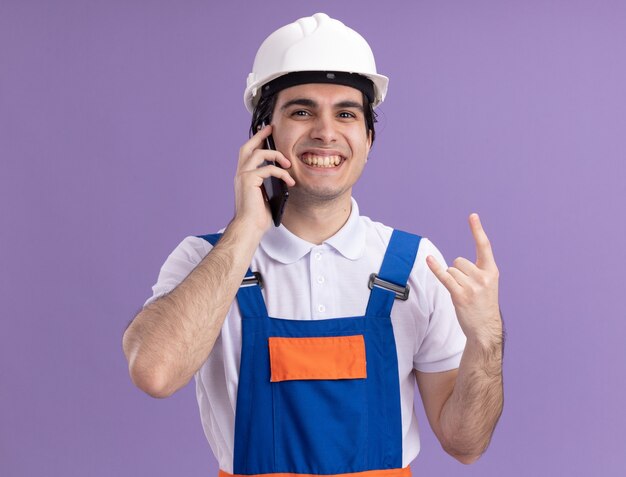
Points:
x=321, y=161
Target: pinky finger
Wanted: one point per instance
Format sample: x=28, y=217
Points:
x=269, y=170
x=443, y=276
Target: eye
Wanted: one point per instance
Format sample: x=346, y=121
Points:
x=347, y=115
x=301, y=113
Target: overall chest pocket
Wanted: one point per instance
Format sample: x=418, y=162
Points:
x=320, y=403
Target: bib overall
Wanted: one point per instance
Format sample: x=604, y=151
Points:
x=322, y=397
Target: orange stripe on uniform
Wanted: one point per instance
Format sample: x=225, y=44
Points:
x=405, y=472
x=330, y=357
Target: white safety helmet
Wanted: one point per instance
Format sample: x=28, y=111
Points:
x=314, y=44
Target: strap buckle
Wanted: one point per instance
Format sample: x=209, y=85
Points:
x=402, y=293
x=252, y=280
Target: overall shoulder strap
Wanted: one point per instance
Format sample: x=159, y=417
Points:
x=391, y=282
x=249, y=297
x=211, y=238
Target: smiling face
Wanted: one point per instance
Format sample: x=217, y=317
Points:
x=321, y=129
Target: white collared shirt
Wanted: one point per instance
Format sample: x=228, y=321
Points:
x=305, y=281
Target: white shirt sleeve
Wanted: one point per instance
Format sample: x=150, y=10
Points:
x=185, y=257
x=442, y=347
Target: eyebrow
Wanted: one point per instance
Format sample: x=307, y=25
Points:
x=313, y=104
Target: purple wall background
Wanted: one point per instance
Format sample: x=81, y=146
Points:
x=119, y=129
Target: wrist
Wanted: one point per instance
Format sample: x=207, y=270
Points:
x=247, y=230
x=487, y=341
x=486, y=332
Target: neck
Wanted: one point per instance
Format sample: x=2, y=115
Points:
x=316, y=221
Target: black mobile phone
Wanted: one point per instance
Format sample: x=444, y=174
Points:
x=274, y=189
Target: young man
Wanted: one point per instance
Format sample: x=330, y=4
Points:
x=303, y=368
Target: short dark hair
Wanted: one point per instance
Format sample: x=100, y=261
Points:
x=265, y=108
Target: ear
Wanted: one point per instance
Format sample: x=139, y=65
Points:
x=369, y=143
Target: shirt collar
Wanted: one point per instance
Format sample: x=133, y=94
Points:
x=285, y=247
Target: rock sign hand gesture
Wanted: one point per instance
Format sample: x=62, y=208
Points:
x=474, y=289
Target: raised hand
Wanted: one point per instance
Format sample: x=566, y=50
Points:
x=474, y=288
x=250, y=205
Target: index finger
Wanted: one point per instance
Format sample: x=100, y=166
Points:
x=484, y=253
x=256, y=141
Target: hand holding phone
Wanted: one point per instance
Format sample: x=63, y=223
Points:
x=274, y=189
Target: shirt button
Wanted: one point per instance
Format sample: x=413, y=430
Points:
x=318, y=256
x=320, y=280
x=321, y=308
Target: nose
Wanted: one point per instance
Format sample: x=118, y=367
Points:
x=323, y=129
